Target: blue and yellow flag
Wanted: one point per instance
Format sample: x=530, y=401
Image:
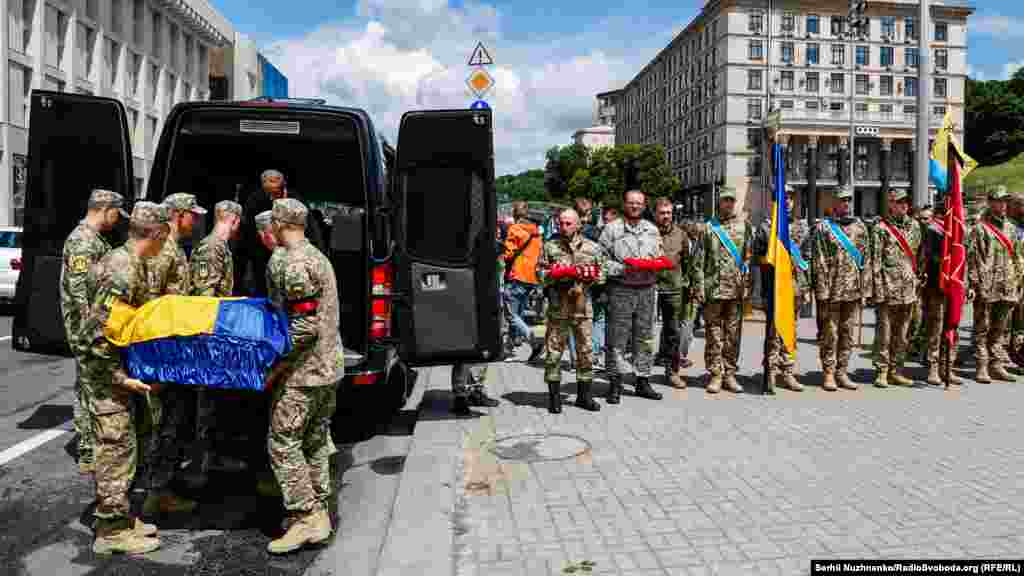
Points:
x=780, y=256
x=200, y=341
x=938, y=165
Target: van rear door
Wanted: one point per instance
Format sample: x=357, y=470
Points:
x=446, y=259
x=75, y=143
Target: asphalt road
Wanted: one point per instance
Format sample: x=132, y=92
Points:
x=45, y=505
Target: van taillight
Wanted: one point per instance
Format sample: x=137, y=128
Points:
x=380, y=308
x=16, y=264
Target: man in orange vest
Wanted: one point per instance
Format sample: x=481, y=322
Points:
x=522, y=249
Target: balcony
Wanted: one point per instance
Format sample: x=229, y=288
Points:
x=842, y=117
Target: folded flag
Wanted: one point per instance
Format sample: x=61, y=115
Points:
x=560, y=272
x=200, y=341
x=649, y=264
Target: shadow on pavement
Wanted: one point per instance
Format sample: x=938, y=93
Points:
x=437, y=405
x=47, y=416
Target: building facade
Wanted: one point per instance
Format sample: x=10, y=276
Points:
x=604, y=109
x=740, y=75
x=595, y=137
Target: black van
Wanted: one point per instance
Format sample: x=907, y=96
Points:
x=412, y=241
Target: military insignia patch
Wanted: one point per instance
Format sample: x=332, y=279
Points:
x=203, y=270
x=79, y=264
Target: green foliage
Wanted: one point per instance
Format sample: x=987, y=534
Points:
x=603, y=175
x=1010, y=174
x=527, y=186
x=994, y=119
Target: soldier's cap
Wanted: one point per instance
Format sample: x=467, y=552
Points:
x=726, y=192
x=844, y=193
x=101, y=198
x=229, y=206
x=998, y=193
x=185, y=202
x=149, y=213
x=898, y=195
x=290, y=211
x=263, y=219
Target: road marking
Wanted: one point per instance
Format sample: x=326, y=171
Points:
x=29, y=445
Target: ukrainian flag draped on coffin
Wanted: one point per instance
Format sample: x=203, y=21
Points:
x=779, y=246
x=200, y=341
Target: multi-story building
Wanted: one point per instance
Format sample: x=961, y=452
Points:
x=740, y=72
x=604, y=109
x=149, y=54
x=595, y=137
x=238, y=71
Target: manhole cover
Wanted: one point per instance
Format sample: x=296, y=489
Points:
x=539, y=447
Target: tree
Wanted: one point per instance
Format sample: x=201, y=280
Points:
x=994, y=119
x=527, y=186
x=603, y=175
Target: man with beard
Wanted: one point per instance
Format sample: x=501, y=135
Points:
x=676, y=244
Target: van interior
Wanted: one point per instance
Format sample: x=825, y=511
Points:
x=220, y=154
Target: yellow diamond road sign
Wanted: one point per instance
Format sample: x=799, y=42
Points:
x=480, y=82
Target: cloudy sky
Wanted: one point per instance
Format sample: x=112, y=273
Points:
x=551, y=58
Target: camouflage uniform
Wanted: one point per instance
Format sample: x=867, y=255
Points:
x=117, y=278
x=994, y=274
x=630, y=302
x=1016, y=335
x=724, y=285
x=166, y=273
x=569, y=311
x=301, y=280
x=934, y=298
x=212, y=274
x=82, y=250
x=781, y=361
x=839, y=287
x=671, y=287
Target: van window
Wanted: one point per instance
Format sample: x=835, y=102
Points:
x=10, y=239
x=449, y=206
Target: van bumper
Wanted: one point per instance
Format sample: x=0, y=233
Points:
x=367, y=372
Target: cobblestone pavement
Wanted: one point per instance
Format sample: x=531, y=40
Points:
x=699, y=484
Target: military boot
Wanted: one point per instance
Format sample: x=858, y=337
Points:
x=843, y=379
x=790, y=382
x=644, y=390
x=166, y=502
x=933, y=375
x=143, y=529
x=899, y=379
x=953, y=379
x=614, y=390
x=555, y=397
x=829, y=383
x=982, y=375
x=731, y=384
x=675, y=379
x=714, y=384
x=320, y=525
x=119, y=537
x=584, y=398
x=999, y=373
x=306, y=528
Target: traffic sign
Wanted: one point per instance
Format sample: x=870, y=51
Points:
x=480, y=82
x=480, y=56
x=479, y=105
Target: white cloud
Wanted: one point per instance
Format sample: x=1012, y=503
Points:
x=975, y=73
x=1010, y=67
x=402, y=55
x=1005, y=27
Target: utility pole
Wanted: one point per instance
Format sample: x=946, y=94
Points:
x=856, y=26
x=924, y=75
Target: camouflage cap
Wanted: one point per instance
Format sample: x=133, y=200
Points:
x=149, y=213
x=844, y=193
x=290, y=211
x=898, y=195
x=229, y=206
x=101, y=198
x=726, y=192
x=263, y=219
x=998, y=193
x=184, y=201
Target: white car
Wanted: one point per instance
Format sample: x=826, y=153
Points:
x=10, y=261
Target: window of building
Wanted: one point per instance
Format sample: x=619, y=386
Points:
x=863, y=56
x=787, y=52
x=169, y=87
x=755, y=50
x=941, y=58
x=754, y=138
x=885, y=85
x=754, y=80
x=836, y=106
x=787, y=79
x=138, y=20
x=754, y=109
x=940, y=87
x=132, y=71
x=756, y=22
x=862, y=167
x=154, y=77
x=886, y=55
x=862, y=84
x=20, y=19
x=838, y=25
x=910, y=26
x=837, y=83
x=910, y=57
x=19, y=90
x=888, y=26
x=785, y=104
x=788, y=22
x=158, y=35
x=812, y=24
x=811, y=82
x=910, y=84
x=838, y=54
x=812, y=53
x=111, y=57
x=116, y=12
x=910, y=109
x=938, y=111
x=885, y=110
x=811, y=105
x=86, y=38
x=941, y=31
x=172, y=46
x=56, y=32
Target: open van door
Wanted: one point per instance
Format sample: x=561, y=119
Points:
x=75, y=143
x=447, y=305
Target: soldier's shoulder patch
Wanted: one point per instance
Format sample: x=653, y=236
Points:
x=79, y=264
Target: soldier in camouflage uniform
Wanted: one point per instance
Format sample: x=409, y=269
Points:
x=842, y=281
x=1015, y=211
x=917, y=333
x=168, y=273
x=935, y=300
x=671, y=285
x=898, y=270
x=118, y=279
x=780, y=360
x=994, y=268
x=631, y=295
x=570, y=310
x=212, y=274
x=723, y=284
x=82, y=250
x=301, y=280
